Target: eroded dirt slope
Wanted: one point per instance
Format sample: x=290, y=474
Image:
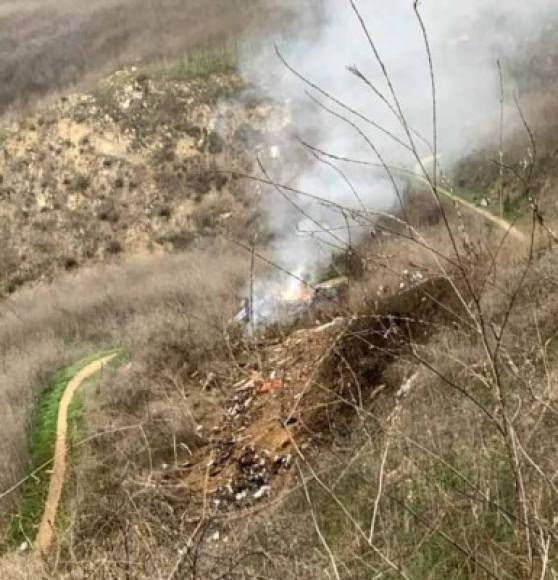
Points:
x=136, y=167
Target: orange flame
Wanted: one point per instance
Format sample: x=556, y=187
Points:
x=297, y=293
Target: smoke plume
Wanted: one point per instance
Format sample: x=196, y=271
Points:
x=332, y=61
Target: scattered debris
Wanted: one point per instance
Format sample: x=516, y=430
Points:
x=279, y=407
x=269, y=386
x=332, y=290
x=251, y=448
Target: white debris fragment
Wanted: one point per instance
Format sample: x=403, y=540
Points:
x=264, y=490
x=406, y=386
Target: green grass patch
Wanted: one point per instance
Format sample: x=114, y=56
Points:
x=77, y=433
x=23, y=525
x=202, y=63
x=514, y=207
x=469, y=195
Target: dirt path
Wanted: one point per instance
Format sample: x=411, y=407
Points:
x=46, y=527
x=509, y=228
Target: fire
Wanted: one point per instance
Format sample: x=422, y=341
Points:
x=274, y=300
x=297, y=292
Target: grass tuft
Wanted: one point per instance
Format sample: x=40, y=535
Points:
x=202, y=63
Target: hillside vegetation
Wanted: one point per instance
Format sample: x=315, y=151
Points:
x=400, y=423
x=49, y=46
x=137, y=167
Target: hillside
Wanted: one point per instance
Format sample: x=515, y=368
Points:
x=250, y=368
x=141, y=166
x=48, y=47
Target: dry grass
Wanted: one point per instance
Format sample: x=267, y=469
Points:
x=166, y=310
x=427, y=469
x=441, y=450
x=420, y=484
x=444, y=468
x=14, y=567
x=48, y=46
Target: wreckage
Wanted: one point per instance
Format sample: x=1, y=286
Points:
x=293, y=393
x=297, y=299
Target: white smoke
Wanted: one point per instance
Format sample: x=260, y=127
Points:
x=467, y=39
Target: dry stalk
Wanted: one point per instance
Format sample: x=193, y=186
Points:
x=317, y=526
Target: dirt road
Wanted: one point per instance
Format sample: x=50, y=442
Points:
x=501, y=223
x=46, y=527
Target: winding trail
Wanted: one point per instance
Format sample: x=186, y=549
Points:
x=510, y=229
x=46, y=526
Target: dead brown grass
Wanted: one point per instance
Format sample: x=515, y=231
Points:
x=167, y=310
x=48, y=46
x=419, y=484
x=125, y=505
x=423, y=466
x=15, y=567
x=413, y=481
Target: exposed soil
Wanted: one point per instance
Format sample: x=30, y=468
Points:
x=45, y=534
x=137, y=167
x=299, y=391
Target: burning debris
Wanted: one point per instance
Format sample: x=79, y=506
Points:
x=274, y=302
x=286, y=400
x=297, y=292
